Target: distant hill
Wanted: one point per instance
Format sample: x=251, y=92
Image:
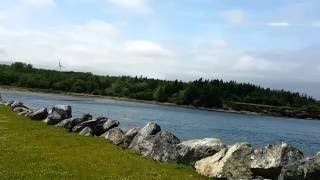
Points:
x=199, y=93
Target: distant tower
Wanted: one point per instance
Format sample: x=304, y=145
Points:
x=60, y=66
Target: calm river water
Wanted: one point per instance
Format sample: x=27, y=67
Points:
x=187, y=123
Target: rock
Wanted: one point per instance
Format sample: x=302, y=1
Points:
x=86, y=117
x=269, y=161
x=8, y=103
x=38, y=115
x=16, y=104
x=26, y=113
x=77, y=128
x=64, y=122
x=64, y=110
x=69, y=126
x=93, y=123
x=86, y=132
x=308, y=168
x=150, y=129
x=71, y=122
x=161, y=147
x=20, y=109
x=58, y=113
x=115, y=135
x=104, y=125
x=128, y=137
x=233, y=163
x=194, y=150
x=110, y=124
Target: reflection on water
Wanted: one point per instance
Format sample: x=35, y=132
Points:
x=187, y=123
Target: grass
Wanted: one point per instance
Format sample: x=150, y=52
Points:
x=33, y=150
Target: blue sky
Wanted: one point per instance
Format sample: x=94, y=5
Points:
x=274, y=43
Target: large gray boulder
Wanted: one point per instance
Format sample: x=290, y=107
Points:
x=71, y=122
x=308, y=169
x=193, y=150
x=38, y=115
x=115, y=135
x=86, y=132
x=232, y=163
x=63, y=123
x=150, y=129
x=110, y=124
x=26, y=113
x=268, y=162
x=78, y=128
x=128, y=137
x=19, y=109
x=58, y=113
x=16, y=104
x=93, y=123
x=161, y=147
x=104, y=126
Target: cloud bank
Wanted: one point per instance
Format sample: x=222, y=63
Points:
x=230, y=43
x=100, y=47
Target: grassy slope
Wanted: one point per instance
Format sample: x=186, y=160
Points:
x=33, y=150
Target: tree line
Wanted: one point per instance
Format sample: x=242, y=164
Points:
x=200, y=93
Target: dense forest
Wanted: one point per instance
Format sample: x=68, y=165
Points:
x=198, y=93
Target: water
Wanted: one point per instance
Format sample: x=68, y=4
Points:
x=188, y=123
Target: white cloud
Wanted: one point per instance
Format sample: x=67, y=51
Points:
x=250, y=64
x=235, y=16
x=97, y=46
x=137, y=6
x=40, y=3
x=279, y=24
x=146, y=49
x=101, y=48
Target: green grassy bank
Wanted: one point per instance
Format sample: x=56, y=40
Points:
x=33, y=150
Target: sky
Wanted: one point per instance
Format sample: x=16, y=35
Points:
x=274, y=43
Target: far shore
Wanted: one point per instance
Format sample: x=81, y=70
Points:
x=224, y=110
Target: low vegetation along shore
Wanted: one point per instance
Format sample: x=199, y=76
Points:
x=32, y=150
x=230, y=107
x=217, y=95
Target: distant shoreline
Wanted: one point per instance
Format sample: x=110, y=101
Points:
x=244, y=112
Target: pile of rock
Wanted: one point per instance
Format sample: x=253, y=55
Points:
x=209, y=156
x=242, y=161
